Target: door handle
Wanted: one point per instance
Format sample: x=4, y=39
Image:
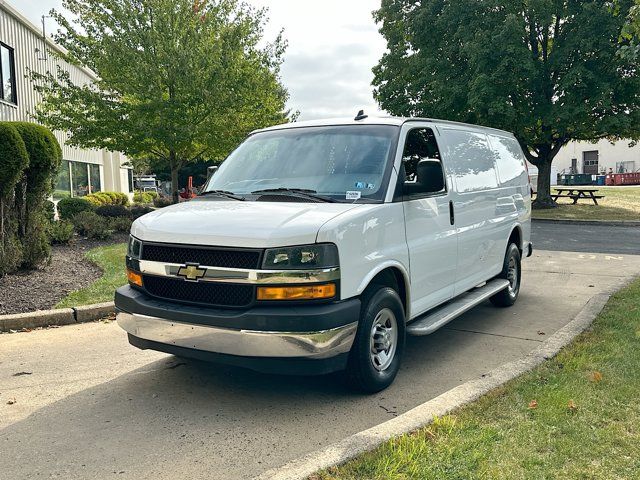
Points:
x=452, y=215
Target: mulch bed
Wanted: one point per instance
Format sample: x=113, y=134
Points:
x=42, y=289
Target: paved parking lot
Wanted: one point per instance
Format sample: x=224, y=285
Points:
x=88, y=405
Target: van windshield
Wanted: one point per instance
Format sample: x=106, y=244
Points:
x=343, y=163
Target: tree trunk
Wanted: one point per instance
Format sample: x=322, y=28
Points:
x=543, y=197
x=175, y=167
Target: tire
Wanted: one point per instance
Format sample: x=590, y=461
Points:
x=511, y=271
x=377, y=350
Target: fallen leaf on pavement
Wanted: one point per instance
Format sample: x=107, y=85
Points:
x=540, y=332
x=533, y=404
x=11, y=401
x=19, y=374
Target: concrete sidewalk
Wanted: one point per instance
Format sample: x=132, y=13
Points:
x=87, y=405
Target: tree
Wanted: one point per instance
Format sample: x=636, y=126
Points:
x=630, y=38
x=546, y=70
x=177, y=79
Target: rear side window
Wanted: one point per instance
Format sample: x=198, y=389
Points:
x=509, y=159
x=470, y=160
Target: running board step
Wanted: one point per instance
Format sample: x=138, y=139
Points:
x=444, y=314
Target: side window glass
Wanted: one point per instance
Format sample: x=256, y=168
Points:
x=420, y=144
x=509, y=159
x=472, y=161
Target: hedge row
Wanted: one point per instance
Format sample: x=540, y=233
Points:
x=30, y=158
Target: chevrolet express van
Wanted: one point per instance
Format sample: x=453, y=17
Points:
x=319, y=246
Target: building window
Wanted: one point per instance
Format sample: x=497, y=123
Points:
x=8, y=75
x=63, y=182
x=77, y=179
x=94, y=178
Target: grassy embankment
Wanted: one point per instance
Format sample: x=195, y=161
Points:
x=576, y=416
x=111, y=260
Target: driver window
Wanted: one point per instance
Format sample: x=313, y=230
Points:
x=420, y=144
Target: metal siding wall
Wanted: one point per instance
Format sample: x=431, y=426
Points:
x=24, y=41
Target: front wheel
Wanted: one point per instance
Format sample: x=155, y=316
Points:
x=511, y=271
x=377, y=350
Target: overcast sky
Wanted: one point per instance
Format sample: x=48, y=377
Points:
x=333, y=44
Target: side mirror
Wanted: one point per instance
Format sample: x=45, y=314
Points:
x=429, y=178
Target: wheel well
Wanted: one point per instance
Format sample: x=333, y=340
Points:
x=516, y=237
x=392, y=277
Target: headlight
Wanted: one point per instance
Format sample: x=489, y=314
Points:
x=134, y=247
x=321, y=255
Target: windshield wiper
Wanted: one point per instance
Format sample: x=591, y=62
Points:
x=300, y=192
x=223, y=193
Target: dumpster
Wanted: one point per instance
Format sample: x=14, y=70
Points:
x=601, y=180
x=577, y=179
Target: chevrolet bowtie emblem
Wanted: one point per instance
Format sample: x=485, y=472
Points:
x=192, y=272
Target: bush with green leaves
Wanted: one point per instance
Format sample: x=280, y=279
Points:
x=92, y=225
x=137, y=211
x=70, y=207
x=162, y=202
x=112, y=211
x=61, y=232
x=50, y=210
x=108, y=198
x=121, y=224
x=145, y=197
x=14, y=158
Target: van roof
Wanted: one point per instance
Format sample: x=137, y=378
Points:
x=383, y=120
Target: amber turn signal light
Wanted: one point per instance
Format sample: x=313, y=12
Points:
x=309, y=292
x=134, y=278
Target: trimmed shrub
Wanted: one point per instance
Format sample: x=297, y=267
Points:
x=70, y=207
x=45, y=157
x=49, y=210
x=144, y=197
x=162, y=202
x=13, y=158
x=108, y=198
x=13, y=161
x=112, y=211
x=139, y=210
x=36, y=246
x=61, y=232
x=121, y=224
x=92, y=225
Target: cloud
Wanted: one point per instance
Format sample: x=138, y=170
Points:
x=333, y=45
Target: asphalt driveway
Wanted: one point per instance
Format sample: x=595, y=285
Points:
x=88, y=405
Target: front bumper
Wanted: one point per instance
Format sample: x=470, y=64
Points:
x=306, y=339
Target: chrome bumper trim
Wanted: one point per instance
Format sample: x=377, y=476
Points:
x=246, y=343
x=238, y=275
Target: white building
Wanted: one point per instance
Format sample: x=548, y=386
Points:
x=23, y=47
x=596, y=158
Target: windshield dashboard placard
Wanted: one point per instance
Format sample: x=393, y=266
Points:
x=353, y=195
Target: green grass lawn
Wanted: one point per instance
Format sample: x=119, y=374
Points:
x=618, y=204
x=576, y=416
x=111, y=260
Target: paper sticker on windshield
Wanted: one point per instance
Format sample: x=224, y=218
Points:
x=354, y=195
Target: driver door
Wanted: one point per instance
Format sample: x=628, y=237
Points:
x=430, y=233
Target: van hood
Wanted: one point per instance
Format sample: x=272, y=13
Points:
x=238, y=224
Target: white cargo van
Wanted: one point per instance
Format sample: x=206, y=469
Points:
x=319, y=246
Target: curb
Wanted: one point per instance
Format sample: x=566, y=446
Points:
x=607, y=223
x=57, y=317
x=367, y=440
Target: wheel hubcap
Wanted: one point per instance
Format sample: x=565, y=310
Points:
x=384, y=338
x=512, y=276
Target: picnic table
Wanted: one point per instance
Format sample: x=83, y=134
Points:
x=576, y=194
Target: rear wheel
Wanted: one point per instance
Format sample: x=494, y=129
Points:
x=511, y=271
x=376, y=353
